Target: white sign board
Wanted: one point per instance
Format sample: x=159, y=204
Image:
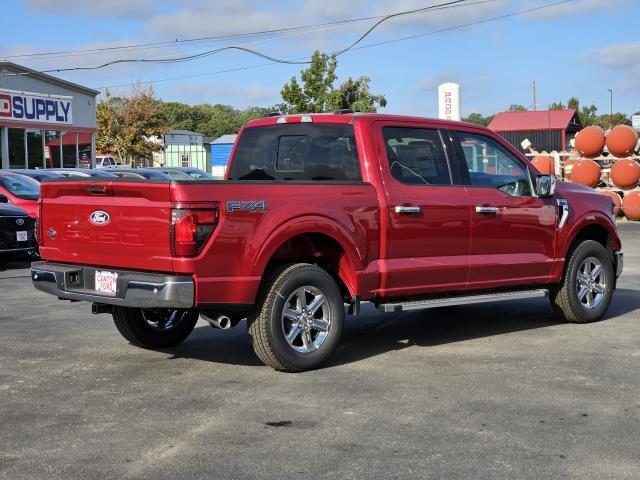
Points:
x=449, y=101
x=635, y=121
x=35, y=107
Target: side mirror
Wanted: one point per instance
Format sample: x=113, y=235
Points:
x=545, y=186
x=3, y=199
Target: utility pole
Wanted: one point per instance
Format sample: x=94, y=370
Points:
x=611, y=107
x=534, y=95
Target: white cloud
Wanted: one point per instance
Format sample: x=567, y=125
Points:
x=571, y=8
x=624, y=55
x=112, y=8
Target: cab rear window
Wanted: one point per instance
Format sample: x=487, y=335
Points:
x=316, y=152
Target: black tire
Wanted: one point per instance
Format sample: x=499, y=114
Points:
x=565, y=297
x=133, y=325
x=268, y=326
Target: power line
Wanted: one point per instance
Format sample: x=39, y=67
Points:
x=164, y=44
x=251, y=51
x=362, y=47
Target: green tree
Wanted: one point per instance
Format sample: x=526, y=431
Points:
x=588, y=115
x=478, y=119
x=557, y=106
x=355, y=95
x=573, y=103
x=517, y=108
x=315, y=92
x=124, y=125
x=209, y=120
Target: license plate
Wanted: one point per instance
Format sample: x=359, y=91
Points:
x=22, y=236
x=106, y=282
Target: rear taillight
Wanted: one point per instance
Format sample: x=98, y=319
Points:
x=191, y=228
x=36, y=227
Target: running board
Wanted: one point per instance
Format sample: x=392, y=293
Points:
x=461, y=300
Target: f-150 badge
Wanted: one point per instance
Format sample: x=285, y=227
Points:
x=247, y=206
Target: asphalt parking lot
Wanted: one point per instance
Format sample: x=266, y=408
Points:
x=493, y=391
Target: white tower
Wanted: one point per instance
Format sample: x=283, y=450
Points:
x=449, y=101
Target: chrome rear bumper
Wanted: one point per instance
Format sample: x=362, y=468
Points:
x=133, y=289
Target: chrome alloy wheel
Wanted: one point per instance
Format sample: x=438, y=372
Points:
x=306, y=319
x=163, y=320
x=591, y=283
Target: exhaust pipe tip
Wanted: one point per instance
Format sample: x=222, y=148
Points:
x=223, y=322
x=97, y=308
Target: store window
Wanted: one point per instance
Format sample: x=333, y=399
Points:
x=16, y=148
x=35, y=154
x=52, y=149
x=69, y=149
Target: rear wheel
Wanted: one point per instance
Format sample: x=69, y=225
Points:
x=152, y=329
x=586, y=289
x=298, y=324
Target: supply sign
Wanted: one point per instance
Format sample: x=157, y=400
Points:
x=35, y=108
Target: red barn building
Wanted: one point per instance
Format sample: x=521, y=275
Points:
x=546, y=129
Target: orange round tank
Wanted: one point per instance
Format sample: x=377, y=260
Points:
x=625, y=173
x=590, y=141
x=622, y=141
x=586, y=172
x=568, y=167
x=631, y=205
x=545, y=164
x=616, y=200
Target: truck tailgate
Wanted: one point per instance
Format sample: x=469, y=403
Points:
x=107, y=223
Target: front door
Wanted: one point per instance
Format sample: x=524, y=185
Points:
x=428, y=217
x=513, y=231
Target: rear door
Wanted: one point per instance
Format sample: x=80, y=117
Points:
x=428, y=214
x=117, y=224
x=513, y=231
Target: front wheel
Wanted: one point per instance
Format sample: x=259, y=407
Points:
x=152, y=329
x=298, y=323
x=586, y=288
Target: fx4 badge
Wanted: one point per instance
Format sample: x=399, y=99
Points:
x=247, y=206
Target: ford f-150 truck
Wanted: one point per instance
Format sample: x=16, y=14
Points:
x=318, y=211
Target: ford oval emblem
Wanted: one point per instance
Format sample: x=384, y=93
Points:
x=20, y=221
x=99, y=217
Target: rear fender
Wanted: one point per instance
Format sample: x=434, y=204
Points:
x=350, y=263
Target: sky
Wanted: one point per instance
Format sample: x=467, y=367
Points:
x=579, y=48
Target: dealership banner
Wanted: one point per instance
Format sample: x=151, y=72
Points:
x=36, y=108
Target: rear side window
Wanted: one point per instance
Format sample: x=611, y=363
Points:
x=318, y=152
x=416, y=156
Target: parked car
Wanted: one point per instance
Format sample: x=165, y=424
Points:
x=186, y=173
x=323, y=210
x=147, y=173
x=81, y=172
x=16, y=233
x=37, y=175
x=106, y=161
x=20, y=191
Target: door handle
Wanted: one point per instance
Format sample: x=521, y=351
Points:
x=407, y=209
x=491, y=210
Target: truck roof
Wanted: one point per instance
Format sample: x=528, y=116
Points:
x=350, y=118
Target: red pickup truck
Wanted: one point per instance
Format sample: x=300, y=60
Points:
x=318, y=211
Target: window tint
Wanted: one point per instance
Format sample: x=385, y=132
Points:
x=306, y=151
x=491, y=165
x=416, y=156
